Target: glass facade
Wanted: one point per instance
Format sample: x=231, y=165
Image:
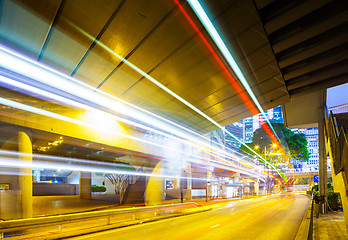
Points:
x=245, y=129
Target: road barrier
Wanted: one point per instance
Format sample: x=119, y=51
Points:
x=134, y=213
x=310, y=230
x=305, y=230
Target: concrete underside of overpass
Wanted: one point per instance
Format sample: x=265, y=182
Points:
x=288, y=52
x=281, y=54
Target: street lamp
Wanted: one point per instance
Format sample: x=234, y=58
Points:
x=256, y=147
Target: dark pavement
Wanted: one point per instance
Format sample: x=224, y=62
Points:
x=330, y=226
x=273, y=217
x=55, y=205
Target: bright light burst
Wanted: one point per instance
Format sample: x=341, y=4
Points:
x=40, y=73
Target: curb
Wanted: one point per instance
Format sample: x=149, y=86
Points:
x=302, y=233
x=118, y=225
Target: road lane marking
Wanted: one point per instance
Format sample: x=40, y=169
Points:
x=215, y=226
x=125, y=228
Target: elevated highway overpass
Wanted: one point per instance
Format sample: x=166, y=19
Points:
x=159, y=73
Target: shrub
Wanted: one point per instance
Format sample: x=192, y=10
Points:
x=98, y=188
x=333, y=198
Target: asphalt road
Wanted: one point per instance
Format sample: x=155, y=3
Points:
x=273, y=217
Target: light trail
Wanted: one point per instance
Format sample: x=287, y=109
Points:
x=10, y=159
x=41, y=73
x=81, y=123
x=15, y=163
x=223, y=48
x=144, y=74
x=13, y=154
x=42, y=112
x=10, y=62
x=10, y=59
x=86, y=107
x=200, y=12
x=221, y=45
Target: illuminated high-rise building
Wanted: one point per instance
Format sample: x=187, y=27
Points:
x=237, y=129
x=245, y=129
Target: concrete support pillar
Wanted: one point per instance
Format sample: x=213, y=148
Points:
x=189, y=181
x=177, y=181
x=256, y=188
x=189, y=177
x=209, y=186
x=85, y=185
x=322, y=152
x=25, y=176
x=310, y=183
x=154, y=193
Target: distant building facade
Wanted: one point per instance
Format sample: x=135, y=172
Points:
x=312, y=139
x=238, y=130
x=245, y=129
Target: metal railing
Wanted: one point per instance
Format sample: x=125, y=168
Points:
x=310, y=230
x=132, y=213
x=339, y=109
x=135, y=177
x=337, y=139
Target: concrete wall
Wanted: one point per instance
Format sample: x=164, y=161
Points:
x=49, y=189
x=103, y=181
x=302, y=112
x=9, y=204
x=176, y=194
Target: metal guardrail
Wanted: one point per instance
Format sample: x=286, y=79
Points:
x=305, y=230
x=22, y=224
x=343, y=108
x=338, y=144
x=310, y=230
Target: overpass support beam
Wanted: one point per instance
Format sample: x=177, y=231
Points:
x=154, y=193
x=85, y=189
x=17, y=201
x=310, y=183
x=25, y=176
x=256, y=188
x=322, y=151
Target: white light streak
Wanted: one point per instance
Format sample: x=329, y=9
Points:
x=27, y=67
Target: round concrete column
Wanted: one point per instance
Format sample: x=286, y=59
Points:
x=25, y=176
x=85, y=189
x=256, y=188
x=154, y=193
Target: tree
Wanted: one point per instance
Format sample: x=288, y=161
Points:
x=294, y=145
x=120, y=181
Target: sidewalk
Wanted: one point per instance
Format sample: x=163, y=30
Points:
x=55, y=205
x=330, y=226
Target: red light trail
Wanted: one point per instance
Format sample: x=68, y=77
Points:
x=250, y=105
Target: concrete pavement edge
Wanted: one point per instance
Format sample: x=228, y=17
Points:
x=302, y=233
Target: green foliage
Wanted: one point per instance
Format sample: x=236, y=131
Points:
x=247, y=150
x=315, y=190
x=295, y=145
x=332, y=197
x=98, y=188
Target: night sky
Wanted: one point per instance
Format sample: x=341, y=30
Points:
x=337, y=95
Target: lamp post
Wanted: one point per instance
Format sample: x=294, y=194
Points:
x=274, y=145
x=267, y=169
x=182, y=173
